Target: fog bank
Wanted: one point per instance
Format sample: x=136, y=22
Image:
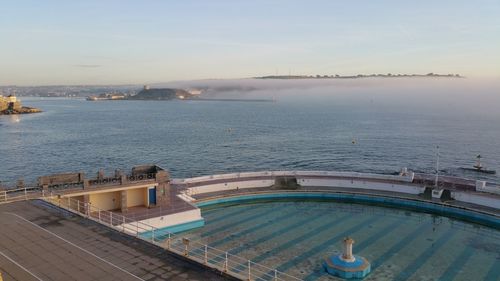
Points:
x=474, y=97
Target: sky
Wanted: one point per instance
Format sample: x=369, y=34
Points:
x=138, y=42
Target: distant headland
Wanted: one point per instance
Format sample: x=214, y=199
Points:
x=388, y=75
x=11, y=105
x=148, y=93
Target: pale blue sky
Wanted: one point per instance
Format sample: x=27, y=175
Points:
x=99, y=42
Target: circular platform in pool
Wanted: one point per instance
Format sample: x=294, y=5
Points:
x=295, y=236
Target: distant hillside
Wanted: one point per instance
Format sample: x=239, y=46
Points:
x=161, y=94
x=388, y=75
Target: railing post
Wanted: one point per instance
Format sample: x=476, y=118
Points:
x=123, y=223
x=153, y=235
x=25, y=194
x=275, y=274
x=137, y=228
x=111, y=218
x=168, y=241
x=206, y=254
x=77, y=202
x=225, y=264
x=99, y=214
x=249, y=271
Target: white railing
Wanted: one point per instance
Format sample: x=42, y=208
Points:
x=223, y=261
x=485, y=187
x=10, y=195
x=408, y=178
x=237, y=181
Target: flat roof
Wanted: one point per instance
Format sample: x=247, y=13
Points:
x=42, y=242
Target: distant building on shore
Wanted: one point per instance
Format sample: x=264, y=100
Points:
x=194, y=92
x=10, y=102
x=11, y=105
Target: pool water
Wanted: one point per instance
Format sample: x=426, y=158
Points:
x=295, y=236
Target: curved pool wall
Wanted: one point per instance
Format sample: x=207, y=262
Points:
x=467, y=191
x=384, y=201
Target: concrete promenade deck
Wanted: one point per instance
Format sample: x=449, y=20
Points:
x=40, y=242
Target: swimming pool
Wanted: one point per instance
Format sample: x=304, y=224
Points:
x=295, y=235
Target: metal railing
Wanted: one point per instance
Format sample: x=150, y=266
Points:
x=10, y=195
x=118, y=180
x=141, y=177
x=65, y=186
x=105, y=181
x=272, y=174
x=223, y=261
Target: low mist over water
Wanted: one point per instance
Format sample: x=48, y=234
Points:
x=367, y=125
x=480, y=97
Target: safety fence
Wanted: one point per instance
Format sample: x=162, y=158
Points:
x=242, y=175
x=211, y=257
x=17, y=194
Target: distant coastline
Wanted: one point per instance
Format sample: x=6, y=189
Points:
x=209, y=87
x=168, y=94
x=357, y=76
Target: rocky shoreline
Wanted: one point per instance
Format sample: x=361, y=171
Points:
x=22, y=110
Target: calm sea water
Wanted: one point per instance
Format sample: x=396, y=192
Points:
x=195, y=138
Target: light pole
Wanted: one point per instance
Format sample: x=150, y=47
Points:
x=437, y=166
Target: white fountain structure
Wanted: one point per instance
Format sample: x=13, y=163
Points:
x=347, y=265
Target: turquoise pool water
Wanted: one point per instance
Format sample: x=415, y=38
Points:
x=294, y=237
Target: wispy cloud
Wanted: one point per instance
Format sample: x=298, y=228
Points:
x=87, y=65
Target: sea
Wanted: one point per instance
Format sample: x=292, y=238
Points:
x=372, y=127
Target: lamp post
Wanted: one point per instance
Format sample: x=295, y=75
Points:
x=437, y=166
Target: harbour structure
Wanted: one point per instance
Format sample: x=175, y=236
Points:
x=12, y=105
x=108, y=96
x=146, y=203
x=9, y=102
x=478, y=167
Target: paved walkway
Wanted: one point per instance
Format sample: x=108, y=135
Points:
x=40, y=242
